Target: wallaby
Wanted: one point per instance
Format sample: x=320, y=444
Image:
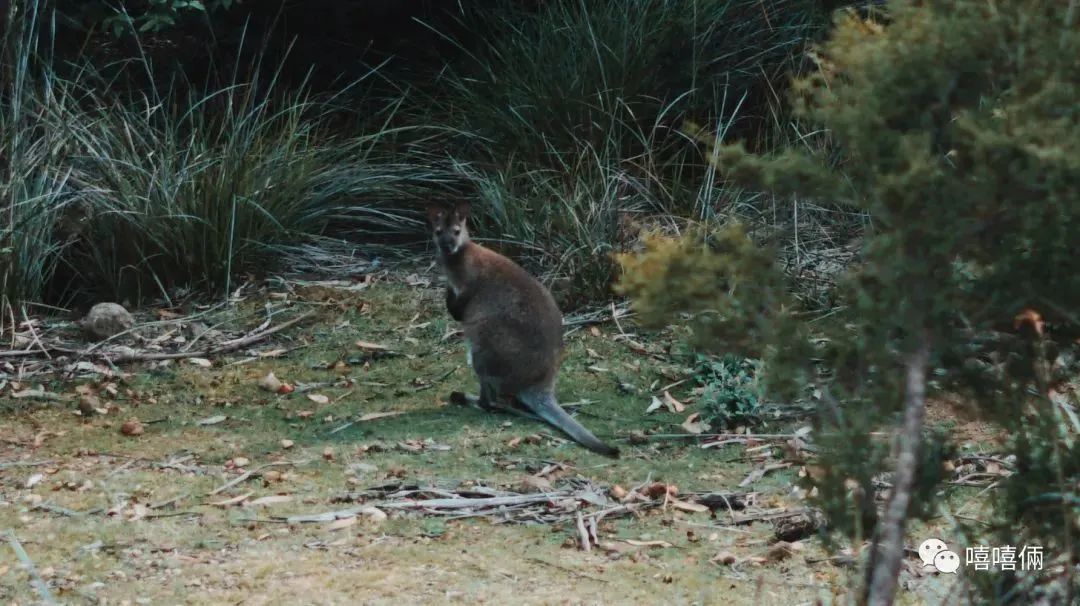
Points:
x=513, y=328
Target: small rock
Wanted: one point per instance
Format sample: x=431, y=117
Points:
x=107, y=320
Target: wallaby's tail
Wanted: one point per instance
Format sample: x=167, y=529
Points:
x=547, y=408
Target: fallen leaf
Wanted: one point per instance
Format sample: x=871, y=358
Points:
x=286, y=444
x=34, y=393
x=1032, y=317
x=132, y=427
x=201, y=362
x=34, y=480
x=536, y=484
x=781, y=550
x=368, y=346
x=318, y=398
x=361, y=468
x=285, y=389
x=371, y=416
x=328, y=453
x=618, y=492
x=636, y=543
x=724, y=557
x=673, y=404
x=373, y=513
x=232, y=501
x=273, y=353
x=271, y=500
x=514, y=442
x=305, y=414
x=272, y=476
x=270, y=382
x=688, y=506
x=138, y=511
x=656, y=404
x=214, y=420
x=342, y=523
x=416, y=280
x=658, y=489
x=693, y=424
x=411, y=445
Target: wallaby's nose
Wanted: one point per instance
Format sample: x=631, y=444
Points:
x=447, y=244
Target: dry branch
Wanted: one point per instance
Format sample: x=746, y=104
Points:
x=245, y=476
x=149, y=356
x=39, y=584
x=466, y=503
x=888, y=553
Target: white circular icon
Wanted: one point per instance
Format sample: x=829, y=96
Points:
x=947, y=562
x=929, y=550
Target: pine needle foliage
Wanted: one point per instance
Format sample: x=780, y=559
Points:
x=959, y=129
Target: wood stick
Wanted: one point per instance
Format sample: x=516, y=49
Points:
x=121, y=358
x=64, y=511
x=583, y=534
x=36, y=580
x=245, y=476
x=6, y=464
x=464, y=503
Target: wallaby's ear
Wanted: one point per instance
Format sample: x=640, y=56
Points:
x=435, y=213
x=462, y=210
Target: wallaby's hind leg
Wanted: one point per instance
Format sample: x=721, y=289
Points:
x=487, y=400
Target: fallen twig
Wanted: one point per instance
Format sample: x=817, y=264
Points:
x=144, y=356
x=583, y=534
x=442, y=378
x=39, y=584
x=331, y=516
x=225, y=347
x=6, y=464
x=567, y=569
x=64, y=511
x=173, y=514
x=771, y=515
x=246, y=476
x=464, y=503
x=716, y=436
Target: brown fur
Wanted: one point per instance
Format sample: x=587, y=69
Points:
x=511, y=322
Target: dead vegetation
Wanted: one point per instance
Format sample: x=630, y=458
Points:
x=299, y=439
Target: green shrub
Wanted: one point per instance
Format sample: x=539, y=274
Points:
x=958, y=125
x=730, y=395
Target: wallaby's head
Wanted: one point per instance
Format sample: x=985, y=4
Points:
x=448, y=227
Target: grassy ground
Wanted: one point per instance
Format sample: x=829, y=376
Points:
x=195, y=550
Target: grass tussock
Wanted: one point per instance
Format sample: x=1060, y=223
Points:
x=570, y=119
x=563, y=122
x=110, y=195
